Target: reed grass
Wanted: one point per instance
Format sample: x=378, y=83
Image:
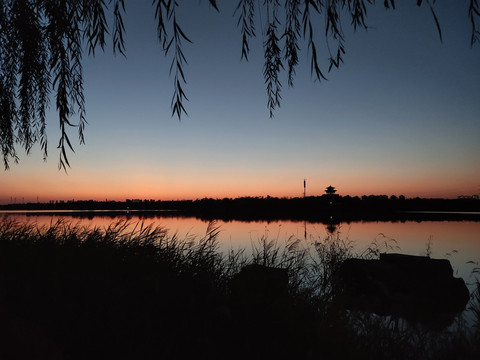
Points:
x=131, y=291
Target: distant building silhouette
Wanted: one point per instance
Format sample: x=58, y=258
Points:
x=330, y=190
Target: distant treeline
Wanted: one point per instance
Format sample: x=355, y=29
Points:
x=325, y=208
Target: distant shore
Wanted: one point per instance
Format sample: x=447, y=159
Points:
x=326, y=208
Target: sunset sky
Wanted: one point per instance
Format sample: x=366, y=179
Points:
x=401, y=116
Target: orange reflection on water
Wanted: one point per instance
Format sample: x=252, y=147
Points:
x=458, y=241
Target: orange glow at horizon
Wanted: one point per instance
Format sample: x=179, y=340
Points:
x=184, y=191
x=138, y=183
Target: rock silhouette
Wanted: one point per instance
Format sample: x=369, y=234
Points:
x=417, y=288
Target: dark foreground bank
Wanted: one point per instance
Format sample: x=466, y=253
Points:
x=133, y=292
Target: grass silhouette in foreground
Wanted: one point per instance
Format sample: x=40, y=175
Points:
x=135, y=292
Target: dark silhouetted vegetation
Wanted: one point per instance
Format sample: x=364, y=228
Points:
x=42, y=43
x=328, y=209
x=134, y=292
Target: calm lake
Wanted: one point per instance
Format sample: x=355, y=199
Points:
x=458, y=241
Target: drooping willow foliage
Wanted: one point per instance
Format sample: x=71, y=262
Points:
x=42, y=43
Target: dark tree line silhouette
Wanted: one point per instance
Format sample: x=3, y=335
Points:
x=328, y=208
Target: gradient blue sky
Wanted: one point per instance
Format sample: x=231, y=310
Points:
x=401, y=116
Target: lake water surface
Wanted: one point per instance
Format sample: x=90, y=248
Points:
x=458, y=241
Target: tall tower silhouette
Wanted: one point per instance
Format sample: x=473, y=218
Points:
x=304, y=188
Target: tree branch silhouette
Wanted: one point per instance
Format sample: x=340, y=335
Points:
x=42, y=44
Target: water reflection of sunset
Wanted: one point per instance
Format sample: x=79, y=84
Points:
x=457, y=240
